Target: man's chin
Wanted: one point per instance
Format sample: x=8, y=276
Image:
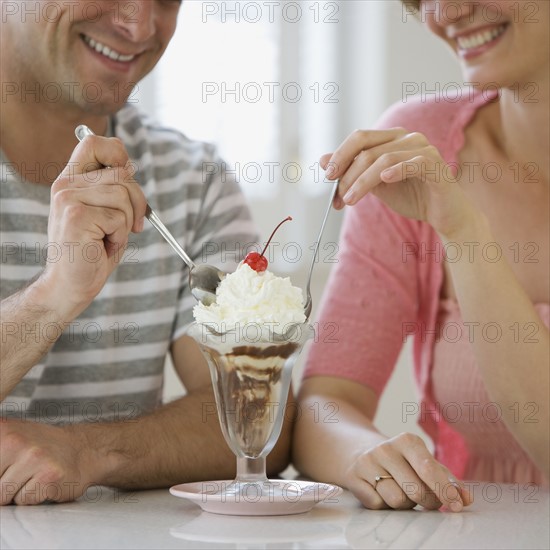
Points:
x=102, y=108
x=100, y=96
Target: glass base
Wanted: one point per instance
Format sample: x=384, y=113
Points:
x=267, y=498
x=268, y=490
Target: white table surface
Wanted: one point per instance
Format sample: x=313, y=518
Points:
x=502, y=516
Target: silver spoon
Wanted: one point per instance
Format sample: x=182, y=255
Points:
x=309, y=303
x=308, y=306
x=204, y=278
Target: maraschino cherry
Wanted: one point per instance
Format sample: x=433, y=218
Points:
x=258, y=262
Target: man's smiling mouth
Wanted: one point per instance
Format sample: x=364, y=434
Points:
x=106, y=51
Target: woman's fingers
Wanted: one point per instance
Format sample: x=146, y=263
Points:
x=424, y=166
x=365, y=493
x=376, y=479
x=358, y=141
x=364, y=155
x=323, y=161
x=436, y=477
x=390, y=490
x=405, y=489
x=396, y=481
x=369, y=178
x=465, y=494
x=401, y=473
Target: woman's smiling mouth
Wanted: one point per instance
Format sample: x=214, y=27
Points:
x=480, y=38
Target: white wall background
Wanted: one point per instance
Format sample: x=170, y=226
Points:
x=370, y=49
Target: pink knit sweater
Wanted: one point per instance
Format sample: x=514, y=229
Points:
x=387, y=285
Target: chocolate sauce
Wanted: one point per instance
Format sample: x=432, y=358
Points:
x=284, y=351
x=249, y=381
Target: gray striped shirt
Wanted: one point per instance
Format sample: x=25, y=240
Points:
x=108, y=364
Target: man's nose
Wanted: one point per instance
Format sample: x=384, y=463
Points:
x=136, y=19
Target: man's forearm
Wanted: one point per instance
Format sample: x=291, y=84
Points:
x=180, y=442
x=30, y=326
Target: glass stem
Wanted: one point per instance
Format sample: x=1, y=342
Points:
x=251, y=470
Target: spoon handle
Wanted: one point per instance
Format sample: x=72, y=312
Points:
x=329, y=206
x=161, y=228
x=81, y=132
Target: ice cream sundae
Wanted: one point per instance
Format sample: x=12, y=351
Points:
x=250, y=335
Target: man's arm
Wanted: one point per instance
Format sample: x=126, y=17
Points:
x=180, y=442
x=174, y=444
x=22, y=317
x=90, y=206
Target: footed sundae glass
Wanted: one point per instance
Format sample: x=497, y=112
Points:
x=251, y=370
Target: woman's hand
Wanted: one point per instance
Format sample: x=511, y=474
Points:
x=406, y=172
x=416, y=477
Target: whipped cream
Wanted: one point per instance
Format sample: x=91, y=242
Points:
x=247, y=297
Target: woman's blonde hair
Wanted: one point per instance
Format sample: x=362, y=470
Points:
x=414, y=3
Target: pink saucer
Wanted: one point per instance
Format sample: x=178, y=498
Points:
x=277, y=498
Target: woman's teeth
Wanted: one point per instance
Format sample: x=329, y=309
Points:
x=483, y=37
x=106, y=51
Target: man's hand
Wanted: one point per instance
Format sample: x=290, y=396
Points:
x=41, y=463
x=93, y=210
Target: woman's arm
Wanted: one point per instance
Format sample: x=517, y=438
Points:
x=371, y=295
x=515, y=369
x=346, y=448
x=409, y=175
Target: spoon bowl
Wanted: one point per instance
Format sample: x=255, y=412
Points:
x=203, y=281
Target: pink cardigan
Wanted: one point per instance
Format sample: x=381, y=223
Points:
x=388, y=279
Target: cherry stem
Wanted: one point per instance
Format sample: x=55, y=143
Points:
x=274, y=231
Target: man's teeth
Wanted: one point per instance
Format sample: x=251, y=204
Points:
x=106, y=51
x=480, y=38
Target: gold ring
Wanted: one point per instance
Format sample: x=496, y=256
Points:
x=380, y=478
